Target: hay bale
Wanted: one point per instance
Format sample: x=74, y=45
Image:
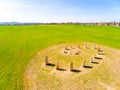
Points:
x=99, y=50
x=57, y=66
x=101, y=53
x=72, y=47
x=71, y=66
x=46, y=60
x=77, y=53
x=91, y=60
x=78, y=46
x=95, y=47
x=84, y=63
x=86, y=47
x=67, y=48
x=65, y=52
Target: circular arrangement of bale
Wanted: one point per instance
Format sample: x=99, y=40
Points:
x=72, y=66
x=76, y=51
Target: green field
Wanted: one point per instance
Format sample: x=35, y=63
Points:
x=19, y=44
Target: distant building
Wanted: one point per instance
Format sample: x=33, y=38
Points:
x=117, y=24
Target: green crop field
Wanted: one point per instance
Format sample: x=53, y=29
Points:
x=19, y=44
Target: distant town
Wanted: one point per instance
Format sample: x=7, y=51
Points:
x=78, y=23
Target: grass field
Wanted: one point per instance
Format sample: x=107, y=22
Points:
x=19, y=44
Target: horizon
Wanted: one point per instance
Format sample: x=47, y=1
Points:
x=59, y=22
x=56, y=11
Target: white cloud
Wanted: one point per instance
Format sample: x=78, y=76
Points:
x=14, y=5
x=10, y=11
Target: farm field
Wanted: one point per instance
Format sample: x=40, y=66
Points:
x=20, y=44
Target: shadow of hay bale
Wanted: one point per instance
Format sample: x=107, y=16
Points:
x=50, y=64
x=88, y=67
x=75, y=70
x=61, y=69
x=67, y=49
x=95, y=62
x=99, y=58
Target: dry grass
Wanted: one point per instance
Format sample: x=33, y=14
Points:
x=102, y=76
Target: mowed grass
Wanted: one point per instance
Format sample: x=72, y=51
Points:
x=19, y=44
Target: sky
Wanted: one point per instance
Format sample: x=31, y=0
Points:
x=59, y=10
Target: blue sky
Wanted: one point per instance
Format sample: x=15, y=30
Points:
x=59, y=10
